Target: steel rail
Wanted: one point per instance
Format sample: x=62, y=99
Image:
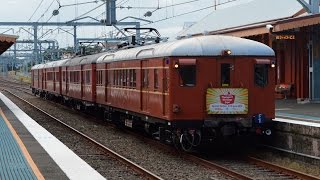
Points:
x=281, y=169
x=215, y=166
x=147, y=174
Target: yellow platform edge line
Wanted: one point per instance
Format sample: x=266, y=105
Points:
x=24, y=150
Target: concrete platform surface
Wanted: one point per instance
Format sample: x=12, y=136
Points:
x=289, y=108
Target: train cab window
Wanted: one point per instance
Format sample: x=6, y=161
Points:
x=156, y=79
x=187, y=72
x=261, y=75
x=187, y=75
x=225, y=74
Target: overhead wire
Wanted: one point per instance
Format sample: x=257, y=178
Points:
x=46, y=10
x=201, y=9
x=35, y=10
x=90, y=11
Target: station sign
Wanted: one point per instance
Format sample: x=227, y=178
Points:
x=227, y=101
x=285, y=37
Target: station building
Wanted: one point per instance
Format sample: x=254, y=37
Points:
x=285, y=26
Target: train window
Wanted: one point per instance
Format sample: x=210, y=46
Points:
x=124, y=82
x=99, y=78
x=131, y=78
x=108, y=79
x=145, y=78
x=118, y=77
x=57, y=76
x=187, y=75
x=88, y=77
x=121, y=77
x=64, y=76
x=225, y=74
x=261, y=75
x=77, y=77
x=134, y=77
x=156, y=81
x=114, y=77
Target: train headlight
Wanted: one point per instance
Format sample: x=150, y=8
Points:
x=176, y=65
x=273, y=64
x=226, y=52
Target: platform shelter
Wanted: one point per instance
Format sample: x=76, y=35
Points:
x=6, y=41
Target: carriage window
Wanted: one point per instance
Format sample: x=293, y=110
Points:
x=187, y=75
x=87, y=77
x=225, y=74
x=134, y=76
x=261, y=75
x=156, y=81
x=64, y=76
x=145, y=78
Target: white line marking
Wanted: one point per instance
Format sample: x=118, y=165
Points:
x=305, y=123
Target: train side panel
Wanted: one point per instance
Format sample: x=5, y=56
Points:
x=74, y=88
x=123, y=90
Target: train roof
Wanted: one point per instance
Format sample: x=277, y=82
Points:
x=38, y=66
x=90, y=59
x=211, y=45
x=53, y=64
x=50, y=64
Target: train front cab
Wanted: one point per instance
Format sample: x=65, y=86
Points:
x=222, y=96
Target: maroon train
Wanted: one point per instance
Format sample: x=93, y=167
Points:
x=184, y=92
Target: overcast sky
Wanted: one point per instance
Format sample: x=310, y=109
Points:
x=166, y=21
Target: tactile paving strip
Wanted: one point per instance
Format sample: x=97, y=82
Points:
x=13, y=164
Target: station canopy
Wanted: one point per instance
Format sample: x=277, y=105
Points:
x=6, y=41
x=247, y=15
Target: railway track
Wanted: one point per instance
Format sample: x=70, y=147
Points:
x=135, y=167
x=248, y=168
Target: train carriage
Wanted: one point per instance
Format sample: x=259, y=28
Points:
x=37, y=78
x=224, y=84
x=182, y=91
x=79, y=80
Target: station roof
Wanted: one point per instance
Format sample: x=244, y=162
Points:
x=253, y=13
x=6, y=42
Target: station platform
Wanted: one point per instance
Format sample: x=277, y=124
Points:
x=291, y=110
x=28, y=151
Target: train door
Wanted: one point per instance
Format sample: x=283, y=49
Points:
x=226, y=72
x=144, y=85
x=106, y=81
x=165, y=87
x=45, y=79
x=83, y=81
x=54, y=79
x=67, y=80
